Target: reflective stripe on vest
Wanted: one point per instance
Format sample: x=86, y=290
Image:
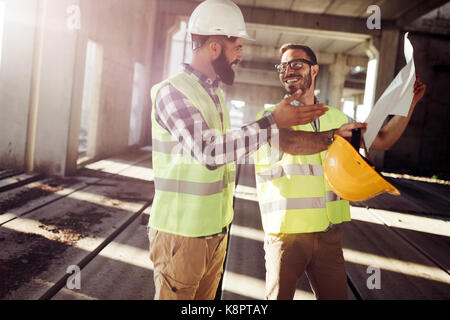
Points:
x=293, y=204
x=293, y=194
x=288, y=170
x=298, y=203
x=196, y=188
x=168, y=147
x=190, y=200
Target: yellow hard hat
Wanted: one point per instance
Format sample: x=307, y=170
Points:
x=350, y=176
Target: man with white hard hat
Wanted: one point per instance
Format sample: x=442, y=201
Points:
x=194, y=155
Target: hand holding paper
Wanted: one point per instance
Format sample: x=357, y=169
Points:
x=396, y=99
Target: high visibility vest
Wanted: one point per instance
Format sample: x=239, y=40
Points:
x=293, y=194
x=190, y=200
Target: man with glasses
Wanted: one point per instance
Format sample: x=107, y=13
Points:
x=300, y=212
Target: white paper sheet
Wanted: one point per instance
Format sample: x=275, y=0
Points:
x=396, y=99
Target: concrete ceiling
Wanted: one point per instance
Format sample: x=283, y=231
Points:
x=327, y=26
x=391, y=9
x=270, y=38
x=402, y=12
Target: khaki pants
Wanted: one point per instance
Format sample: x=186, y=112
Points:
x=186, y=268
x=288, y=256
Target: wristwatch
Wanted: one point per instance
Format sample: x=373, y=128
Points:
x=331, y=136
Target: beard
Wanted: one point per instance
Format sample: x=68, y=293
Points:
x=223, y=69
x=304, y=84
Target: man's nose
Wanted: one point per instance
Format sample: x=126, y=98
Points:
x=239, y=57
x=288, y=71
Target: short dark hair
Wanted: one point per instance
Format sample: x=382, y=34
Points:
x=199, y=40
x=294, y=46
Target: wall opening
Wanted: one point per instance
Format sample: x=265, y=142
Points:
x=371, y=83
x=354, y=92
x=349, y=108
x=91, y=101
x=137, y=104
x=180, y=49
x=237, y=113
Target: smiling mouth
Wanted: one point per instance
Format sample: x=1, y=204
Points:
x=291, y=80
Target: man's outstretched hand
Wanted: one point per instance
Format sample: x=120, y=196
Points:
x=287, y=115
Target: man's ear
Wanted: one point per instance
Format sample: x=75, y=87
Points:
x=315, y=70
x=215, y=49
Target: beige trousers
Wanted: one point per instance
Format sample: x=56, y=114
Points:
x=186, y=268
x=288, y=256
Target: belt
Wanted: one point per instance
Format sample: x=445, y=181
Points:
x=224, y=231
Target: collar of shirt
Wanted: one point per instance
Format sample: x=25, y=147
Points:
x=200, y=77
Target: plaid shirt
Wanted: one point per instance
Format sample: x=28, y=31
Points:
x=176, y=114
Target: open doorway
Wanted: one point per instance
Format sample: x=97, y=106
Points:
x=137, y=105
x=180, y=49
x=236, y=110
x=91, y=101
x=354, y=92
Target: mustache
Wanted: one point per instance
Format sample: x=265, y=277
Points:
x=293, y=77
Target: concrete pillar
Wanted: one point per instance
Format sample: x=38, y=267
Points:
x=151, y=27
x=338, y=71
x=16, y=64
x=54, y=96
x=387, y=46
x=122, y=55
x=323, y=83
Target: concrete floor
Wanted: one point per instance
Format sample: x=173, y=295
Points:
x=97, y=221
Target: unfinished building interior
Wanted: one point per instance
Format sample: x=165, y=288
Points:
x=76, y=179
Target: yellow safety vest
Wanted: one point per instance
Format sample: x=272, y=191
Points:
x=293, y=194
x=190, y=200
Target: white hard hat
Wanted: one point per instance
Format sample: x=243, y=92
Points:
x=218, y=17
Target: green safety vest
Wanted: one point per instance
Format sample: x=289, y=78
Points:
x=190, y=200
x=293, y=194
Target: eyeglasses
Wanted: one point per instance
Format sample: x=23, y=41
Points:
x=296, y=64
